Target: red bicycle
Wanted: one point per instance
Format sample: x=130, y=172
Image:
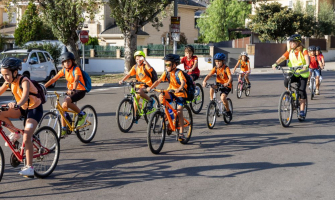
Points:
x=45, y=146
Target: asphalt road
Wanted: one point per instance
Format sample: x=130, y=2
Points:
x=251, y=158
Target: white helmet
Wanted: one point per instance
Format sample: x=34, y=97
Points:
x=244, y=53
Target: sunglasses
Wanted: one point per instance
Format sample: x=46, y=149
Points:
x=168, y=65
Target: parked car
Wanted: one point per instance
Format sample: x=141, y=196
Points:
x=37, y=64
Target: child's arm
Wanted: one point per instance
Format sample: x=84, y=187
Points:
x=238, y=62
x=207, y=77
x=124, y=78
x=195, y=65
x=323, y=62
x=249, y=69
x=132, y=72
x=155, y=84
x=3, y=88
x=54, y=79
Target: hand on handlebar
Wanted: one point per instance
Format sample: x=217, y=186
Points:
x=121, y=82
x=274, y=66
x=204, y=84
x=12, y=105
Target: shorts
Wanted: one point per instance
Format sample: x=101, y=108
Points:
x=317, y=71
x=179, y=100
x=35, y=113
x=79, y=94
x=225, y=90
x=194, y=76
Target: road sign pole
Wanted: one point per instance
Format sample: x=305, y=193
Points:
x=175, y=14
x=83, y=46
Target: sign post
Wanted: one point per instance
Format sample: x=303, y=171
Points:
x=175, y=32
x=83, y=36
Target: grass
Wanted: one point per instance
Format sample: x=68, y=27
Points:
x=107, y=78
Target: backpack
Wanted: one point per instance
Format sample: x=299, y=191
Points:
x=40, y=92
x=190, y=85
x=86, y=77
x=153, y=75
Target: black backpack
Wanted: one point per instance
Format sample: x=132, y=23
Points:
x=190, y=85
x=153, y=75
x=40, y=91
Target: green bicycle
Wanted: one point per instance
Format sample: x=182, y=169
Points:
x=125, y=115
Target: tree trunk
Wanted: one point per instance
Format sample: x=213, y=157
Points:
x=130, y=42
x=72, y=47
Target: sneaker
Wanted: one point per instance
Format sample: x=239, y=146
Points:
x=317, y=92
x=13, y=137
x=229, y=114
x=181, y=137
x=302, y=114
x=81, y=119
x=197, y=91
x=151, y=103
x=63, y=134
x=249, y=85
x=135, y=121
x=27, y=171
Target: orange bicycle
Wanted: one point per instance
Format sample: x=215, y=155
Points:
x=157, y=127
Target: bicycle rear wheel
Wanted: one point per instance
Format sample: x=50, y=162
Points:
x=2, y=163
x=188, y=121
x=125, y=115
x=211, y=115
x=156, y=132
x=227, y=119
x=155, y=107
x=239, y=90
x=312, y=88
x=87, y=133
x=285, y=109
x=52, y=120
x=247, y=92
x=198, y=101
x=46, y=151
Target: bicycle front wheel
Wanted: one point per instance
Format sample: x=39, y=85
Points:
x=156, y=132
x=188, y=124
x=52, y=120
x=227, y=119
x=155, y=107
x=285, y=109
x=46, y=151
x=125, y=115
x=2, y=163
x=87, y=133
x=211, y=115
x=198, y=101
x=239, y=90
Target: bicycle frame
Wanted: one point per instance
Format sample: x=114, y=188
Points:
x=139, y=110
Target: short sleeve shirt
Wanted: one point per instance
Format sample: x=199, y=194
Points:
x=141, y=75
x=320, y=56
x=244, y=65
x=71, y=79
x=222, y=74
x=173, y=82
x=188, y=64
x=287, y=53
x=313, y=62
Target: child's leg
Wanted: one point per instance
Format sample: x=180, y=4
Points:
x=247, y=78
x=211, y=92
x=29, y=130
x=225, y=102
x=181, y=118
x=141, y=92
x=11, y=113
x=317, y=82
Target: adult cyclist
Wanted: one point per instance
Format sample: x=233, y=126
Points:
x=297, y=55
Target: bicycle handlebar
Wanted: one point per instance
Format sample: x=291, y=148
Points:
x=162, y=91
x=132, y=83
x=292, y=70
x=213, y=84
x=6, y=107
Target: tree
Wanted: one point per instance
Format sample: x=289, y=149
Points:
x=325, y=21
x=273, y=22
x=220, y=16
x=305, y=18
x=130, y=16
x=92, y=41
x=31, y=27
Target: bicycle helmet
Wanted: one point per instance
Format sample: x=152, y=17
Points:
x=189, y=47
x=311, y=48
x=67, y=56
x=317, y=48
x=11, y=63
x=139, y=53
x=220, y=56
x=295, y=37
x=173, y=58
x=244, y=53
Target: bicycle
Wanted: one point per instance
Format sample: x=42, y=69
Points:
x=289, y=100
x=85, y=132
x=242, y=86
x=45, y=149
x=157, y=129
x=312, y=85
x=198, y=101
x=216, y=108
x=125, y=115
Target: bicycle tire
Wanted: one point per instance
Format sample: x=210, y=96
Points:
x=247, y=92
x=91, y=117
x=156, y=132
x=188, y=116
x=211, y=111
x=43, y=138
x=2, y=163
x=52, y=120
x=227, y=119
x=155, y=107
x=125, y=112
x=285, y=97
x=194, y=103
x=306, y=109
x=312, y=88
x=239, y=90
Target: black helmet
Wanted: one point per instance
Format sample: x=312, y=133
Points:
x=173, y=58
x=189, y=47
x=317, y=48
x=311, y=48
x=11, y=63
x=295, y=37
x=66, y=56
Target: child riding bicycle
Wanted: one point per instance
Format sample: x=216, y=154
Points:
x=27, y=105
x=223, y=77
x=75, y=85
x=141, y=70
x=171, y=61
x=314, y=67
x=245, y=67
x=191, y=62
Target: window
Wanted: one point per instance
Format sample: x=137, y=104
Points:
x=41, y=56
x=47, y=56
x=290, y=4
x=33, y=58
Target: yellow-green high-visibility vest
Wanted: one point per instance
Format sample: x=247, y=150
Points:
x=297, y=61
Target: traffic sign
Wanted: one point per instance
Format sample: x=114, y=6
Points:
x=83, y=36
x=175, y=25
